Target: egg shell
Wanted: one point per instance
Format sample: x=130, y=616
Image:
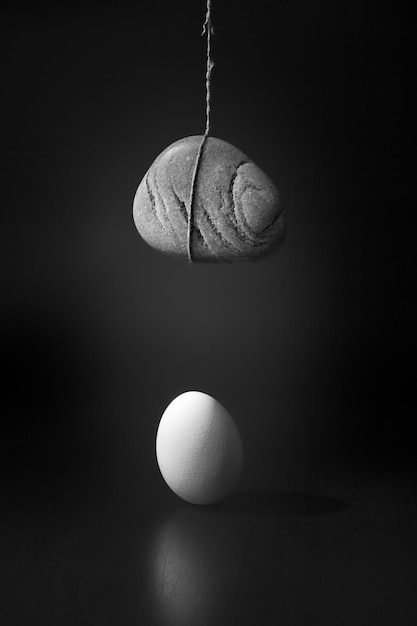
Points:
x=198, y=448
x=237, y=211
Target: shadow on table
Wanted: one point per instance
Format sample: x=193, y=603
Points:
x=279, y=504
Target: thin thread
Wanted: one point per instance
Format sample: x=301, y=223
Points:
x=209, y=31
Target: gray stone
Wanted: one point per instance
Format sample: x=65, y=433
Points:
x=237, y=212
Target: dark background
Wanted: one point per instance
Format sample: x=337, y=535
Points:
x=311, y=350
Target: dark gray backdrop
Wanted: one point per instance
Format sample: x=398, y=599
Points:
x=312, y=349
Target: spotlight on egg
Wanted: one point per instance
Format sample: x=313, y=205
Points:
x=198, y=448
x=237, y=212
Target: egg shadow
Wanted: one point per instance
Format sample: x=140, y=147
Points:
x=279, y=504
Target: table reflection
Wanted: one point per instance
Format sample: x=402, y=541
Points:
x=195, y=560
x=239, y=562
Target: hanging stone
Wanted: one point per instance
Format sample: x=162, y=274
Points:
x=237, y=211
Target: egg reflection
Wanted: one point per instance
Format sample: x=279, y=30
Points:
x=196, y=558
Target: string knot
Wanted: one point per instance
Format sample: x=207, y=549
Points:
x=207, y=26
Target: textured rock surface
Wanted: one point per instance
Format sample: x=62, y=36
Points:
x=237, y=213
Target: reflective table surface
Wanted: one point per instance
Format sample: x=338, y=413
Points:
x=88, y=546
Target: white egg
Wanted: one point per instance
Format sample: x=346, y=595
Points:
x=198, y=448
